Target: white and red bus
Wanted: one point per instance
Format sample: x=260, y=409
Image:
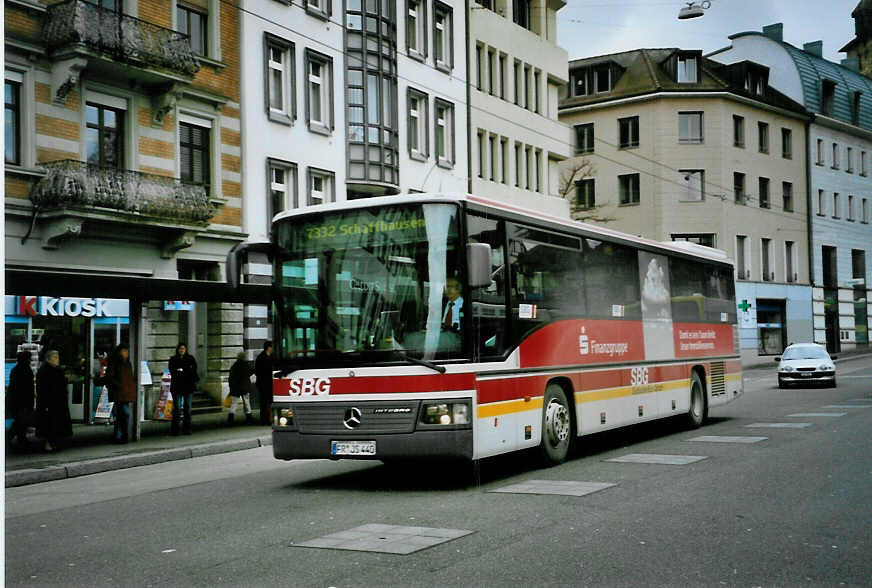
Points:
x=561, y=329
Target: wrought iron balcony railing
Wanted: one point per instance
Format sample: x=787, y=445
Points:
x=70, y=183
x=122, y=37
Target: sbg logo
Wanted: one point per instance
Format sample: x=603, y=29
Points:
x=583, y=343
x=310, y=386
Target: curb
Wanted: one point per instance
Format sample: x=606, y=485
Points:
x=106, y=464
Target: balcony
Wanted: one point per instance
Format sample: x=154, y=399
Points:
x=77, y=198
x=78, y=34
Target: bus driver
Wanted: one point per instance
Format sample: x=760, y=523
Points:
x=453, y=308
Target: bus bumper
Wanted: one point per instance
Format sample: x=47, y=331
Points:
x=454, y=444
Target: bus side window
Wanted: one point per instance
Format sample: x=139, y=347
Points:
x=489, y=303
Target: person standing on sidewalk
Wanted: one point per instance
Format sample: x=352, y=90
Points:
x=122, y=390
x=19, y=398
x=183, y=374
x=263, y=369
x=53, y=412
x=240, y=384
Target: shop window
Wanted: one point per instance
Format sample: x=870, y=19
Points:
x=771, y=335
x=193, y=269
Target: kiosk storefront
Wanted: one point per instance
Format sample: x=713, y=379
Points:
x=83, y=330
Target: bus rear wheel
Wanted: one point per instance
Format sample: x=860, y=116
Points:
x=697, y=412
x=557, y=434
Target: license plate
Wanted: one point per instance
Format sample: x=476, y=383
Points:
x=352, y=448
x=806, y=374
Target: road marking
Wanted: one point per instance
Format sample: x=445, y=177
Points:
x=818, y=414
x=859, y=400
x=558, y=487
x=847, y=406
x=658, y=459
x=380, y=538
x=729, y=439
x=780, y=425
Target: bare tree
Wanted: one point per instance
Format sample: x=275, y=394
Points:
x=572, y=173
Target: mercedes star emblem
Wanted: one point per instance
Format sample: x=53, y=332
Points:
x=352, y=418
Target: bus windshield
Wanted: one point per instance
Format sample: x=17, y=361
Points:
x=368, y=285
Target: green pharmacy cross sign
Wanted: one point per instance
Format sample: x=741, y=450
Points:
x=744, y=306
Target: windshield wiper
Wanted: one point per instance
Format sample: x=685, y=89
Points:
x=423, y=362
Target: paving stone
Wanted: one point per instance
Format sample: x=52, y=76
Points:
x=729, y=439
x=556, y=487
x=382, y=538
x=779, y=425
x=658, y=459
x=818, y=414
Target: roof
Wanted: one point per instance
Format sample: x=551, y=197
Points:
x=813, y=70
x=645, y=71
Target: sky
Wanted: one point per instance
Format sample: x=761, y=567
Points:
x=588, y=28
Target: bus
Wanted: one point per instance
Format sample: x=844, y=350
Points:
x=453, y=326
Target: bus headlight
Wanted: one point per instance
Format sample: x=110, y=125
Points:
x=453, y=412
x=283, y=417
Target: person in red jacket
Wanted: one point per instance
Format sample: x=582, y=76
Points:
x=121, y=384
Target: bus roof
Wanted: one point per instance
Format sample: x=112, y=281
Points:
x=684, y=248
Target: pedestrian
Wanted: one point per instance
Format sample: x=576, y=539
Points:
x=19, y=398
x=263, y=369
x=183, y=374
x=240, y=385
x=121, y=384
x=53, y=413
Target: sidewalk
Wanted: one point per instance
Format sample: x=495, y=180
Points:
x=91, y=450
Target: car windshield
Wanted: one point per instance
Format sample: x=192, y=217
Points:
x=805, y=353
x=368, y=285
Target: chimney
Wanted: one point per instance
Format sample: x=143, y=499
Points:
x=774, y=31
x=816, y=48
x=852, y=63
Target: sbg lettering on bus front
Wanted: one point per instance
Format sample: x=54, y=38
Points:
x=310, y=386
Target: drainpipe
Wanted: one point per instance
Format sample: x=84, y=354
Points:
x=466, y=10
x=809, y=209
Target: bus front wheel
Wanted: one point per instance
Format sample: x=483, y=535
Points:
x=557, y=434
x=696, y=413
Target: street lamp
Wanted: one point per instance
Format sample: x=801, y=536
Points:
x=694, y=9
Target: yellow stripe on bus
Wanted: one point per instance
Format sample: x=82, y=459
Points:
x=509, y=407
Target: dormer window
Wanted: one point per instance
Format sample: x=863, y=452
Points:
x=687, y=69
x=602, y=79
x=828, y=94
x=855, y=108
x=578, y=82
x=755, y=82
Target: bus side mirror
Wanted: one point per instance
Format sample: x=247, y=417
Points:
x=478, y=260
x=236, y=256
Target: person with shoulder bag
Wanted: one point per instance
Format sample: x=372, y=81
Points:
x=240, y=387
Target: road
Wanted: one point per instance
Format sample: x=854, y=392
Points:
x=789, y=510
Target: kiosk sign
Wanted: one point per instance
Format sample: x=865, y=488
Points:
x=51, y=306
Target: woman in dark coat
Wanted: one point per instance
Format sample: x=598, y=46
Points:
x=240, y=385
x=53, y=412
x=183, y=374
x=121, y=385
x=19, y=398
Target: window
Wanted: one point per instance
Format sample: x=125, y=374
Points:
x=282, y=186
x=528, y=87
x=504, y=148
x=766, y=252
x=690, y=127
x=707, y=239
x=602, y=78
x=828, y=93
x=319, y=8
x=850, y=213
x=494, y=160
x=741, y=243
x=111, y=5
x=820, y=152
x=837, y=205
x=738, y=131
x=585, y=194
x=193, y=23
x=104, y=135
x=628, y=132
x=739, y=187
x=764, y=192
x=687, y=70
x=865, y=210
x=858, y=264
x=280, y=92
x=319, y=93
x=418, y=125
x=320, y=186
x=482, y=154
x=691, y=285
x=628, y=187
x=864, y=171
x=519, y=84
x=502, y=75
x=763, y=137
x=787, y=196
x=584, y=138
x=849, y=160
x=821, y=203
x=538, y=158
x=528, y=164
x=12, y=122
x=835, y=156
x=416, y=28
x=479, y=67
x=789, y=262
x=519, y=165
x=444, y=133
x=194, y=153
x=537, y=90
x=578, y=82
x=855, y=108
x=786, y=143
x=492, y=71
x=693, y=181
x=521, y=13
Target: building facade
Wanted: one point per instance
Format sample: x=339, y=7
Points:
x=839, y=154
x=516, y=72
x=123, y=174
x=859, y=49
x=675, y=147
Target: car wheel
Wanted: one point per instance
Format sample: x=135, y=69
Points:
x=697, y=412
x=558, y=436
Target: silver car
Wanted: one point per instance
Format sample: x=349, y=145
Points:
x=804, y=363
